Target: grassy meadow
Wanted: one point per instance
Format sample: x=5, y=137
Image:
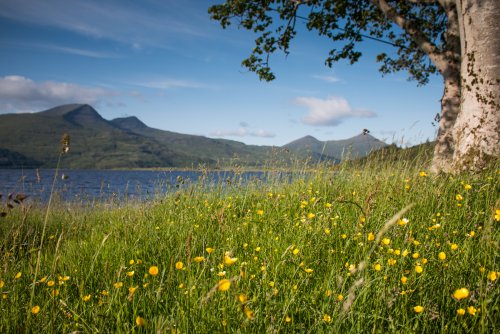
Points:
x=374, y=247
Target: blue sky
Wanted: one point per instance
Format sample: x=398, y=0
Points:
x=168, y=64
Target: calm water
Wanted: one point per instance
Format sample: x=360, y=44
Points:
x=105, y=185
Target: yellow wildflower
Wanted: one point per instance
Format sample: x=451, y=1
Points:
x=140, y=322
x=492, y=276
x=51, y=283
x=442, y=256
x=386, y=241
x=377, y=267
x=228, y=260
x=86, y=298
x=260, y=212
x=209, y=250
x=422, y=174
x=471, y=310
x=130, y=273
x=18, y=275
x=403, y=221
x=248, y=312
x=371, y=236
x=340, y=297
x=419, y=269
x=118, y=285
x=2, y=284
x=153, y=270
x=460, y=311
x=497, y=215
x=418, y=309
x=404, y=279
x=199, y=259
x=242, y=298
x=327, y=318
x=35, y=309
x=295, y=251
x=224, y=285
x=179, y=265
x=461, y=293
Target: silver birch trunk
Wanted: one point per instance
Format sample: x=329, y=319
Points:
x=449, y=67
x=477, y=127
x=442, y=160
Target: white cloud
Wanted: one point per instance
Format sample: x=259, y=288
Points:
x=243, y=132
x=327, y=78
x=21, y=94
x=330, y=111
x=76, y=51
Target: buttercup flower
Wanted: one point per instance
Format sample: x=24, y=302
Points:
x=153, y=270
x=461, y=293
x=35, y=309
x=224, y=285
x=248, y=312
x=140, y=322
x=228, y=260
x=418, y=309
x=471, y=310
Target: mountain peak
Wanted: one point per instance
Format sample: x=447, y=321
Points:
x=128, y=123
x=77, y=114
x=63, y=109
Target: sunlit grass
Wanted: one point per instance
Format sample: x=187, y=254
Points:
x=323, y=253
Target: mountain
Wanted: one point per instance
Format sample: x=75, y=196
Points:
x=351, y=148
x=33, y=140
x=120, y=143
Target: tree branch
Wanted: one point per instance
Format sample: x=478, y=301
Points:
x=410, y=28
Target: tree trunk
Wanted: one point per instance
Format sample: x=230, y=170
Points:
x=449, y=67
x=476, y=132
x=450, y=107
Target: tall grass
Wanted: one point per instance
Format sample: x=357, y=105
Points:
x=318, y=254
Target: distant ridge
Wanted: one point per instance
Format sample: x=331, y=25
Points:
x=354, y=147
x=127, y=142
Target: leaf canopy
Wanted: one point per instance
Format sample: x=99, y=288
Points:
x=346, y=23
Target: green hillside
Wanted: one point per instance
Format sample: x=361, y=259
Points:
x=121, y=143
